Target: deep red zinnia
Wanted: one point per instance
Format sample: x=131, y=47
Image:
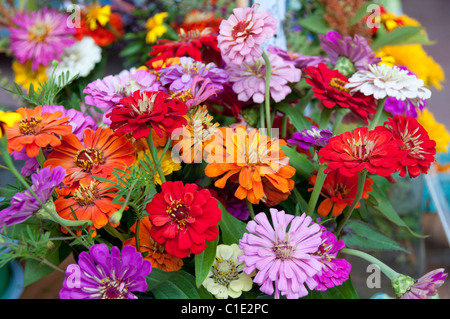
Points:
x=329, y=86
x=351, y=152
x=183, y=218
x=420, y=149
x=142, y=110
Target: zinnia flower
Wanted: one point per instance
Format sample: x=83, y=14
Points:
x=406, y=108
x=105, y=274
x=8, y=119
x=352, y=152
x=313, y=137
x=37, y=129
x=339, y=192
x=226, y=278
x=97, y=15
x=24, y=205
x=99, y=154
x=254, y=158
x=25, y=76
x=284, y=258
x=420, y=150
x=144, y=110
x=40, y=36
x=436, y=131
x=241, y=36
x=249, y=79
x=335, y=271
x=155, y=253
x=183, y=218
x=300, y=61
x=155, y=27
x=425, y=287
x=330, y=87
x=102, y=35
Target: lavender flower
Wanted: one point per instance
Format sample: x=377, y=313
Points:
x=425, y=287
x=314, y=137
x=105, y=274
x=283, y=258
x=335, y=271
x=300, y=61
x=24, y=205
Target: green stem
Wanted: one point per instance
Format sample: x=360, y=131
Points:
x=324, y=117
x=114, y=232
x=136, y=234
x=250, y=210
x=49, y=264
x=359, y=192
x=379, y=112
x=41, y=157
x=388, y=271
x=267, y=92
x=320, y=179
x=337, y=122
x=155, y=158
x=261, y=116
x=301, y=202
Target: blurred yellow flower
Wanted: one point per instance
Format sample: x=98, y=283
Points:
x=97, y=14
x=436, y=131
x=24, y=76
x=155, y=27
x=392, y=21
x=8, y=119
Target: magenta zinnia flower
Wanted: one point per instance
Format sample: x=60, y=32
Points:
x=40, y=36
x=284, y=258
x=249, y=80
x=241, y=36
x=101, y=274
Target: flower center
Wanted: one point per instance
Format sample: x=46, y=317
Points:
x=86, y=195
x=362, y=148
x=283, y=249
x=323, y=251
x=224, y=271
x=87, y=158
x=38, y=32
x=146, y=104
x=341, y=190
x=179, y=212
x=27, y=126
x=339, y=84
x=113, y=289
x=192, y=34
x=241, y=29
x=412, y=144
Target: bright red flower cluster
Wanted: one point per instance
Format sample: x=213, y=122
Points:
x=183, y=218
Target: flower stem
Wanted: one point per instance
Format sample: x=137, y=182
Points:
x=359, y=192
x=324, y=117
x=337, y=122
x=261, y=116
x=388, y=271
x=267, y=92
x=250, y=210
x=136, y=234
x=155, y=158
x=376, y=118
x=317, y=189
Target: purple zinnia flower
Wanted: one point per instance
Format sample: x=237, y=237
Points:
x=24, y=205
x=180, y=76
x=40, y=36
x=335, y=271
x=249, y=79
x=284, y=258
x=105, y=274
x=425, y=287
x=31, y=164
x=356, y=49
x=314, y=137
x=300, y=61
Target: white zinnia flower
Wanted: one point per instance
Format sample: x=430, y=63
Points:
x=226, y=279
x=80, y=58
x=383, y=81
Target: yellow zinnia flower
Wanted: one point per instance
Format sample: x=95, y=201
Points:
x=436, y=131
x=155, y=27
x=97, y=14
x=8, y=119
x=24, y=76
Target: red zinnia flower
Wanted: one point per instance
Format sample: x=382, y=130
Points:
x=351, y=152
x=183, y=218
x=329, y=86
x=194, y=43
x=339, y=192
x=420, y=149
x=137, y=112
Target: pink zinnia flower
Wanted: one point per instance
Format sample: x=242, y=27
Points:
x=249, y=79
x=284, y=258
x=40, y=36
x=240, y=37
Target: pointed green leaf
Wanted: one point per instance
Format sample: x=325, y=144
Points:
x=204, y=261
x=232, y=229
x=302, y=165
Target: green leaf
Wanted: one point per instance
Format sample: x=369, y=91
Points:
x=361, y=13
x=175, y=285
x=361, y=236
x=131, y=49
x=297, y=119
x=397, y=36
x=344, y=291
x=204, y=261
x=315, y=23
x=299, y=161
x=232, y=229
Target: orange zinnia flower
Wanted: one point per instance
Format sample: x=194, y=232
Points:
x=102, y=152
x=37, y=129
x=257, y=159
x=91, y=200
x=155, y=253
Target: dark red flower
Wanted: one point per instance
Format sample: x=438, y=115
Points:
x=351, y=152
x=420, y=149
x=329, y=86
x=183, y=218
x=136, y=113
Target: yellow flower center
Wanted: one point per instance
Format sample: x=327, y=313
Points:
x=87, y=158
x=224, y=271
x=38, y=32
x=28, y=126
x=339, y=84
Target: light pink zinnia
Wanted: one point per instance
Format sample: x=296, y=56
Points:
x=249, y=79
x=284, y=258
x=240, y=37
x=40, y=36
